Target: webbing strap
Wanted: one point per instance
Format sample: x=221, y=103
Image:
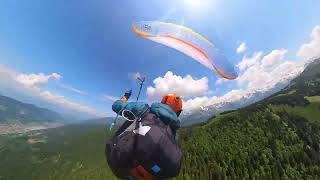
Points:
x=115, y=119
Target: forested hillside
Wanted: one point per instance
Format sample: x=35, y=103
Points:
x=277, y=138
x=12, y=111
x=72, y=152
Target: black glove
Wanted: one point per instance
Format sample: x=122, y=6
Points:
x=127, y=94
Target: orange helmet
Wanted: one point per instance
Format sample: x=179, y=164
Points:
x=174, y=101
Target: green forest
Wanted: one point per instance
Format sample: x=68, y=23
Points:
x=69, y=152
x=276, y=138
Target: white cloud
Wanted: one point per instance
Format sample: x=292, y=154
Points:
x=268, y=70
x=311, y=49
x=72, y=89
x=242, y=48
x=231, y=96
x=249, y=61
x=28, y=87
x=109, y=98
x=184, y=86
x=198, y=102
x=62, y=101
x=274, y=58
x=36, y=80
x=221, y=81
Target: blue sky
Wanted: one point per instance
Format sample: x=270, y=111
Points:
x=91, y=45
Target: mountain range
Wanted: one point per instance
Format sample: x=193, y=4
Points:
x=13, y=111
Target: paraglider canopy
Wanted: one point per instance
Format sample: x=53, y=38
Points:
x=188, y=42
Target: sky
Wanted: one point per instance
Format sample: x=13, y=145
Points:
x=78, y=56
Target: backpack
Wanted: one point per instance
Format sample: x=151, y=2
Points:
x=144, y=149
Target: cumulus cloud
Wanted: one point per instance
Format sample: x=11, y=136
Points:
x=28, y=86
x=109, y=98
x=274, y=58
x=184, y=86
x=268, y=70
x=249, y=61
x=204, y=101
x=311, y=49
x=221, y=81
x=198, y=102
x=242, y=48
x=36, y=80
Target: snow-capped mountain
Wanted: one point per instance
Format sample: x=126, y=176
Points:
x=203, y=114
